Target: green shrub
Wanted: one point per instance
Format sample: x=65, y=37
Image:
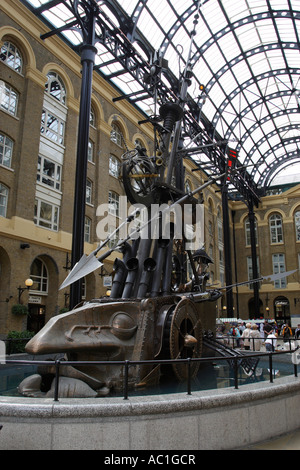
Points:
x=16, y=341
x=19, y=309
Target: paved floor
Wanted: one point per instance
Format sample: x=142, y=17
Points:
x=289, y=441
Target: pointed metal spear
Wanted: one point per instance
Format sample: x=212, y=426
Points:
x=88, y=264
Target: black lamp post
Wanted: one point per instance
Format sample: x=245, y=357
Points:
x=88, y=53
x=85, y=13
x=28, y=284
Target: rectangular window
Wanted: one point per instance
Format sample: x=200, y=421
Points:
x=114, y=166
x=6, y=149
x=276, y=229
x=3, y=199
x=115, y=239
x=49, y=173
x=87, y=230
x=52, y=127
x=8, y=98
x=113, y=204
x=89, y=192
x=46, y=215
x=91, y=151
x=279, y=267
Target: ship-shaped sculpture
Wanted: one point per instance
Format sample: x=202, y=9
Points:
x=153, y=312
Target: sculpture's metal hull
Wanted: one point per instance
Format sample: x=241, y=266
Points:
x=167, y=327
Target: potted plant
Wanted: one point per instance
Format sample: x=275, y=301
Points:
x=19, y=309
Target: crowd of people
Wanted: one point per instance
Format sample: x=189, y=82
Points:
x=252, y=336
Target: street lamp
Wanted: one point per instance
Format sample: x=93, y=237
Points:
x=28, y=284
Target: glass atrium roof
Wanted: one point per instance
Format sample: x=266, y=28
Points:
x=246, y=68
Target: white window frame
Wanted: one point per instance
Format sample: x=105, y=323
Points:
x=6, y=150
x=41, y=279
x=297, y=225
x=87, y=229
x=50, y=133
x=250, y=269
x=276, y=229
x=51, y=223
x=116, y=134
x=89, y=192
x=9, y=98
x=278, y=262
x=4, y=192
x=53, y=78
x=113, y=203
x=91, y=151
x=11, y=56
x=114, y=166
x=54, y=182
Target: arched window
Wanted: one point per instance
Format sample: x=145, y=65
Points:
x=6, y=149
x=39, y=275
x=8, y=98
x=116, y=134
x=276, y=229
x=297, y=225
x=54, y=117
x=11, y=56
x=55, y=87
x=3, y=200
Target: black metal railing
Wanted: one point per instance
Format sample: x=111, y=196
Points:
x=235, y=360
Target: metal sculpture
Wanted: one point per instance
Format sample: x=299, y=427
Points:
x=152, y=311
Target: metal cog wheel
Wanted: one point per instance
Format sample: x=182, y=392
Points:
x=139, y=175
x=185, y=337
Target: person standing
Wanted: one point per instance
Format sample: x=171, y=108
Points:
x=267, y=328
x=234, y=332
x=271, y=342
x=256, y=342
x=246, y=336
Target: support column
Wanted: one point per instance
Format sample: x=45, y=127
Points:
x=227, y=251
x=251, y=217
x=88, y=53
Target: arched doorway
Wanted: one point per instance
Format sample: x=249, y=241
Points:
x=43, y=293
x=282, y=310
x=37, y=295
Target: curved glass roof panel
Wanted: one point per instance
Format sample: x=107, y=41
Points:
x=245, y=54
